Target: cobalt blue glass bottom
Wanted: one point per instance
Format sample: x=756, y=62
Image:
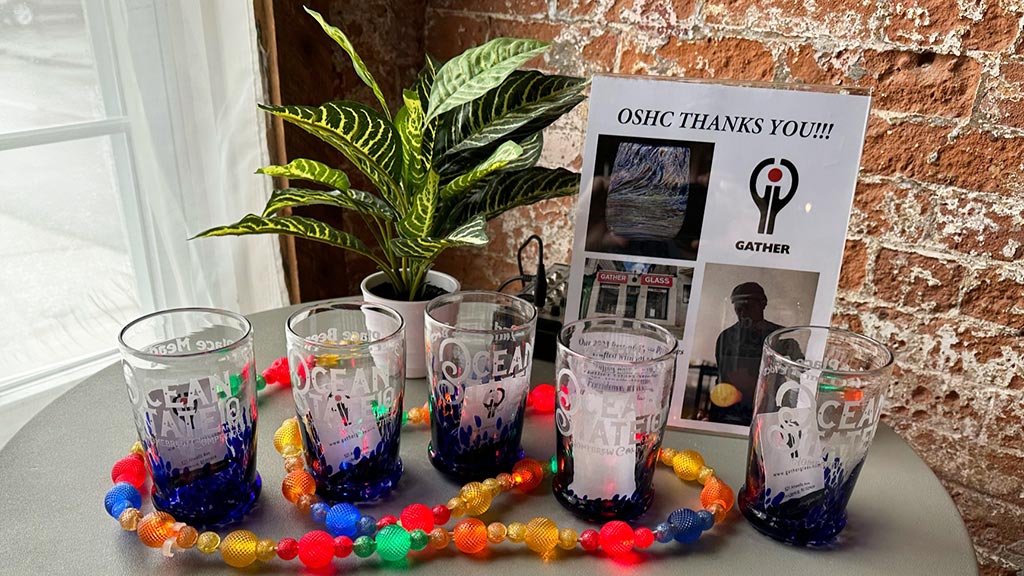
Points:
x=470, y=452
x=478, y=464
x=217, y=499
x=365, y=481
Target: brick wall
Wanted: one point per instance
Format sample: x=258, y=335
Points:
x=933, y=263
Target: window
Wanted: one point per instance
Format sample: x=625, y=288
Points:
x=657, y=303
x=607, y=299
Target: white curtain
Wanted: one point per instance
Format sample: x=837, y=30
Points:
x=191, y=80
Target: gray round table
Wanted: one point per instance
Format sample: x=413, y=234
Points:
x=55, y=471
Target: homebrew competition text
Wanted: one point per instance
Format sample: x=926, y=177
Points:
x=725, y=123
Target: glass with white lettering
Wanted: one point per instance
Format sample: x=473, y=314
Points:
x=191, y=380
x=347, y=362
x=479, y=352
x=613, y=383
x=819, y=394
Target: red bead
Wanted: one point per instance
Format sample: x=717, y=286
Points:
x=287, y=548
x=441, y=514
x=643, y=537
x=386, y=520
x=417, y=516
x=543, y=398
x=527, y=474
x=590, y=540
x=129, y=469
x=316, y=549
x=342, y=546
x=616, y=538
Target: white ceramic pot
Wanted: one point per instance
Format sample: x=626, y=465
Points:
x=412, y=313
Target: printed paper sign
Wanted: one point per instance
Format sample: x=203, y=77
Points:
x=720, y=213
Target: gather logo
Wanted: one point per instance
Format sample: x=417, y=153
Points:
x=768, y=180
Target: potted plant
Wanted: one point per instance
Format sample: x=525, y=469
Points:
x=460, y=151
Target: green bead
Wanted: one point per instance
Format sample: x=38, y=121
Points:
x=364, y=546
x=553, y=464
x=405, y=418
x=261, y=382
x=236, y=384
x=393, y=542
x=418, y=539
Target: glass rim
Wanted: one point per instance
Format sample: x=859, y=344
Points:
x=236, y=343
x=889, y=361
x=673, y=351
x=453, y=296
x=399, y=332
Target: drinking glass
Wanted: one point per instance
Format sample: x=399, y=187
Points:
x=480, y=352
x=819, y=395
x=191, y=375
x=613, y=381
x=347, y=363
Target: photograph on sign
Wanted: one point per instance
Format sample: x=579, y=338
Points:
x=656, y=293
x=718, y=211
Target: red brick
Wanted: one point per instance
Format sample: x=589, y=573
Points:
x=448, y=35
x=973, y=159
x=722, y=58
x=917, y=281
x=995, y=296
x=645, y=12
x=854, y=270
x=929, y=23
x=847, y=19
x=512, y=7
x=1005, y=425
x=993, y=360
x=981, y=225
x=1002, y=100
x=583, y=51
x=891, y=211
x=991, y=521
x=985, y=469
x=919, y=83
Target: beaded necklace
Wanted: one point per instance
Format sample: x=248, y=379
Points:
x=347, y=531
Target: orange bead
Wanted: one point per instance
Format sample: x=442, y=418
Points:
x=294, y=463
x=129, y=519
x=296, y=484
x=187, y=537
x=305, y=502
x=155, y=528
x=716, y=492
x=718, y=511
x=439, y=538
x=505, y=481
x=287, y=435
x=470, y=536
x=527, y=474
x=496, y=532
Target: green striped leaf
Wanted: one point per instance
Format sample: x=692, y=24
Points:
x=292, y=226
x=361, y=70
x=365, y=137
x=533, y=146
x=524, y=103
x=418, y=221
x=505, y=153
x=357, y=200
x=409, y=123
x=311, y=170
x=472, y=233
x=518, y=189
x=472, y=73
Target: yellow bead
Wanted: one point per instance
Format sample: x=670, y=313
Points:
x=291, y=451
x=476, y=497
x=239, y=548
x=516, y=532
x=294, y=463
x=208, y=542
x=155, y=528
x=506, y=481
x=492, y=485
x=137, y=448
x=705, y=473
x=129, y=519
x=328, y=360
x=415, y=415
x=287, y=435
x=187, y=537
x=439, y=538
x=541, y=535
x=457, y=507
x=266, y=550
x=496, y=532
x=687, y=464
x=567, y=538
x=666, y=456
x=305, y=502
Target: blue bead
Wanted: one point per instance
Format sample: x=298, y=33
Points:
x=122, y=492
x=687, y=524
x=707, y=518
x=664, y=532
x=318, y=512
x=367, y=526
x=342, y=520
